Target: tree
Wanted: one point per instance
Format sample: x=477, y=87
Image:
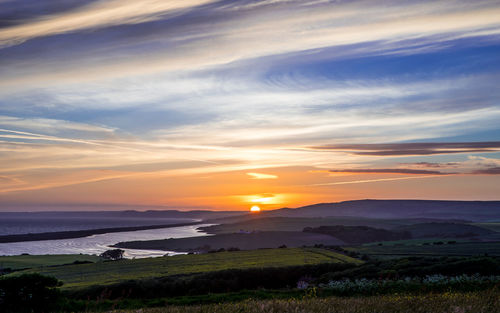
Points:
x=29, y=293
x=115, y=254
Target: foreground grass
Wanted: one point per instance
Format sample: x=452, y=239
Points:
x=105, y=273
x=474, y=302
x=17, y=262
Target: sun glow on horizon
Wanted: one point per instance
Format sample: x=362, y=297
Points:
x=255, y=208
x=160, y=105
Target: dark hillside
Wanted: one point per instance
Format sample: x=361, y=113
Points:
x=278, y=223
x=243, y=241
x=359, y=234
x=392, y=209
x=444, y=230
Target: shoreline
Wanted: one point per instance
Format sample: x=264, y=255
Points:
x=84, y=233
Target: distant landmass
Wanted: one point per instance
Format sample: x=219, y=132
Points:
x=475, y=211
x=379, y=209
x=413, y=211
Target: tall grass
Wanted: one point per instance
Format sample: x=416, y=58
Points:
x=429, y=283
x=473, y=302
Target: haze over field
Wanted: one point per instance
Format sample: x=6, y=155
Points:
x=223, y=105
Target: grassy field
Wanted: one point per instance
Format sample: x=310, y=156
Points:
x=473, y=302
x=17, y=262
x=402, y=249
x=103, y=273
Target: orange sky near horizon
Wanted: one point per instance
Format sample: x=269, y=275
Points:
x=223, y=105
x=236, y=190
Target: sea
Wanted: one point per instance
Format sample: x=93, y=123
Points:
x=94, y=244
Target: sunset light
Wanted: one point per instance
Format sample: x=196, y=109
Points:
x=201, y=104
x=356, y=133
x=255, y=208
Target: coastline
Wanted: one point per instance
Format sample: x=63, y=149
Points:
x=84, y=233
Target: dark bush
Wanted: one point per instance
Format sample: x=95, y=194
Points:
x=29, y=293
x=418, y=267
x=115, y=254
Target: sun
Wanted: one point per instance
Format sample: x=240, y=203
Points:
x=255, y=208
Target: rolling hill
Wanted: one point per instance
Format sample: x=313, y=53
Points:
x=476, y=211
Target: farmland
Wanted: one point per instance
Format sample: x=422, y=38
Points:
x=105, y=273
x=34, y=261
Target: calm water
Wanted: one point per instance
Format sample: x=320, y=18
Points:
x=97, y=244
x=11, y=225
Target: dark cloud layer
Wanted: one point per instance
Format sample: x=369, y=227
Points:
x=432, y=164
x=423, y=148
x=389, y=171
x=488, y=171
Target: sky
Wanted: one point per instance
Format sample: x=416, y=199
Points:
x=223, y=105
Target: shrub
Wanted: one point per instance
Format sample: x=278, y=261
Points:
x=411, y=284
x=29, y=293
x=115, y=254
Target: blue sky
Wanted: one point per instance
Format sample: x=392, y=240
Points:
x=100, y=98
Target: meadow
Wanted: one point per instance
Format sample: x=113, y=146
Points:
x=449, y=302
x=17, y=262
x=105, y=273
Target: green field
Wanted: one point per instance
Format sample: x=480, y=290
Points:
x=103, y=273
x=17, y=262
x=402, y=249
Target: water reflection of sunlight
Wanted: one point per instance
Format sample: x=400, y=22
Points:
x=96, y=244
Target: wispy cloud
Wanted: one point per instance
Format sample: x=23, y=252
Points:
x=117, y=93
x=364, y=181
x=93, y=16
x=262, y=176
x=239, y=36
